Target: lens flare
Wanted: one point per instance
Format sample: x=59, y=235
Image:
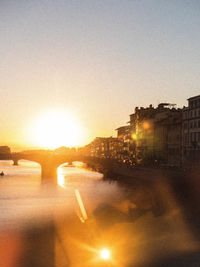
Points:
x=105, y=254
x=81, y=205
x=134, y=136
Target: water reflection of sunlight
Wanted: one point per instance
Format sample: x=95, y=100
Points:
x=6, y=162
x=124, y=220
x=78, y=163
x=72, y=175
x=60, y=178
x=28, y=163
x=61, y=182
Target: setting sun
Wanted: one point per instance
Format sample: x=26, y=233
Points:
x=56, y=128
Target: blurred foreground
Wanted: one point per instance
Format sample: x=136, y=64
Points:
x=149, y=223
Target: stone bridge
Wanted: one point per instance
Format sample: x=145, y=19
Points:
x=50, y=161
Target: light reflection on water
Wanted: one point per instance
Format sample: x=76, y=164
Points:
x=24, y=176
x=72, y=175
x=112, y=217
x=23, y=199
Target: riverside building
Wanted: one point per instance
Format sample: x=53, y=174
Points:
x=191, y=130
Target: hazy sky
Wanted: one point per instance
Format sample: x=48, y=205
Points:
x=98, y=59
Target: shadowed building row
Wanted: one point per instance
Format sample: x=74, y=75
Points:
x=164, y=135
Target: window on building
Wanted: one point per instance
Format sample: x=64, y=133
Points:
x=196, y=137
x=185, y=115
x=191, y=137
x=186, y=138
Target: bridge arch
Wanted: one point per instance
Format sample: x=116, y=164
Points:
x=16, y=162
x=50, y=161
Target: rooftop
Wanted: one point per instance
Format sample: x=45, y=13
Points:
x=193, y=97
x=123, y=127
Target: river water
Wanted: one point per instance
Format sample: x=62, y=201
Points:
x=90, y=214
x=23, y=199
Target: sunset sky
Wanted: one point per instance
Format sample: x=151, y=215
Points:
x=94, y=59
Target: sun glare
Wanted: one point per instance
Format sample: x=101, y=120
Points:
x=105, y=254
x=55, y=129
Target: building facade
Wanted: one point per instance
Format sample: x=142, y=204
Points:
x=103, y=147
x=124, y=137
x=191, y=130
x=157, y=134
x=164, y=136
